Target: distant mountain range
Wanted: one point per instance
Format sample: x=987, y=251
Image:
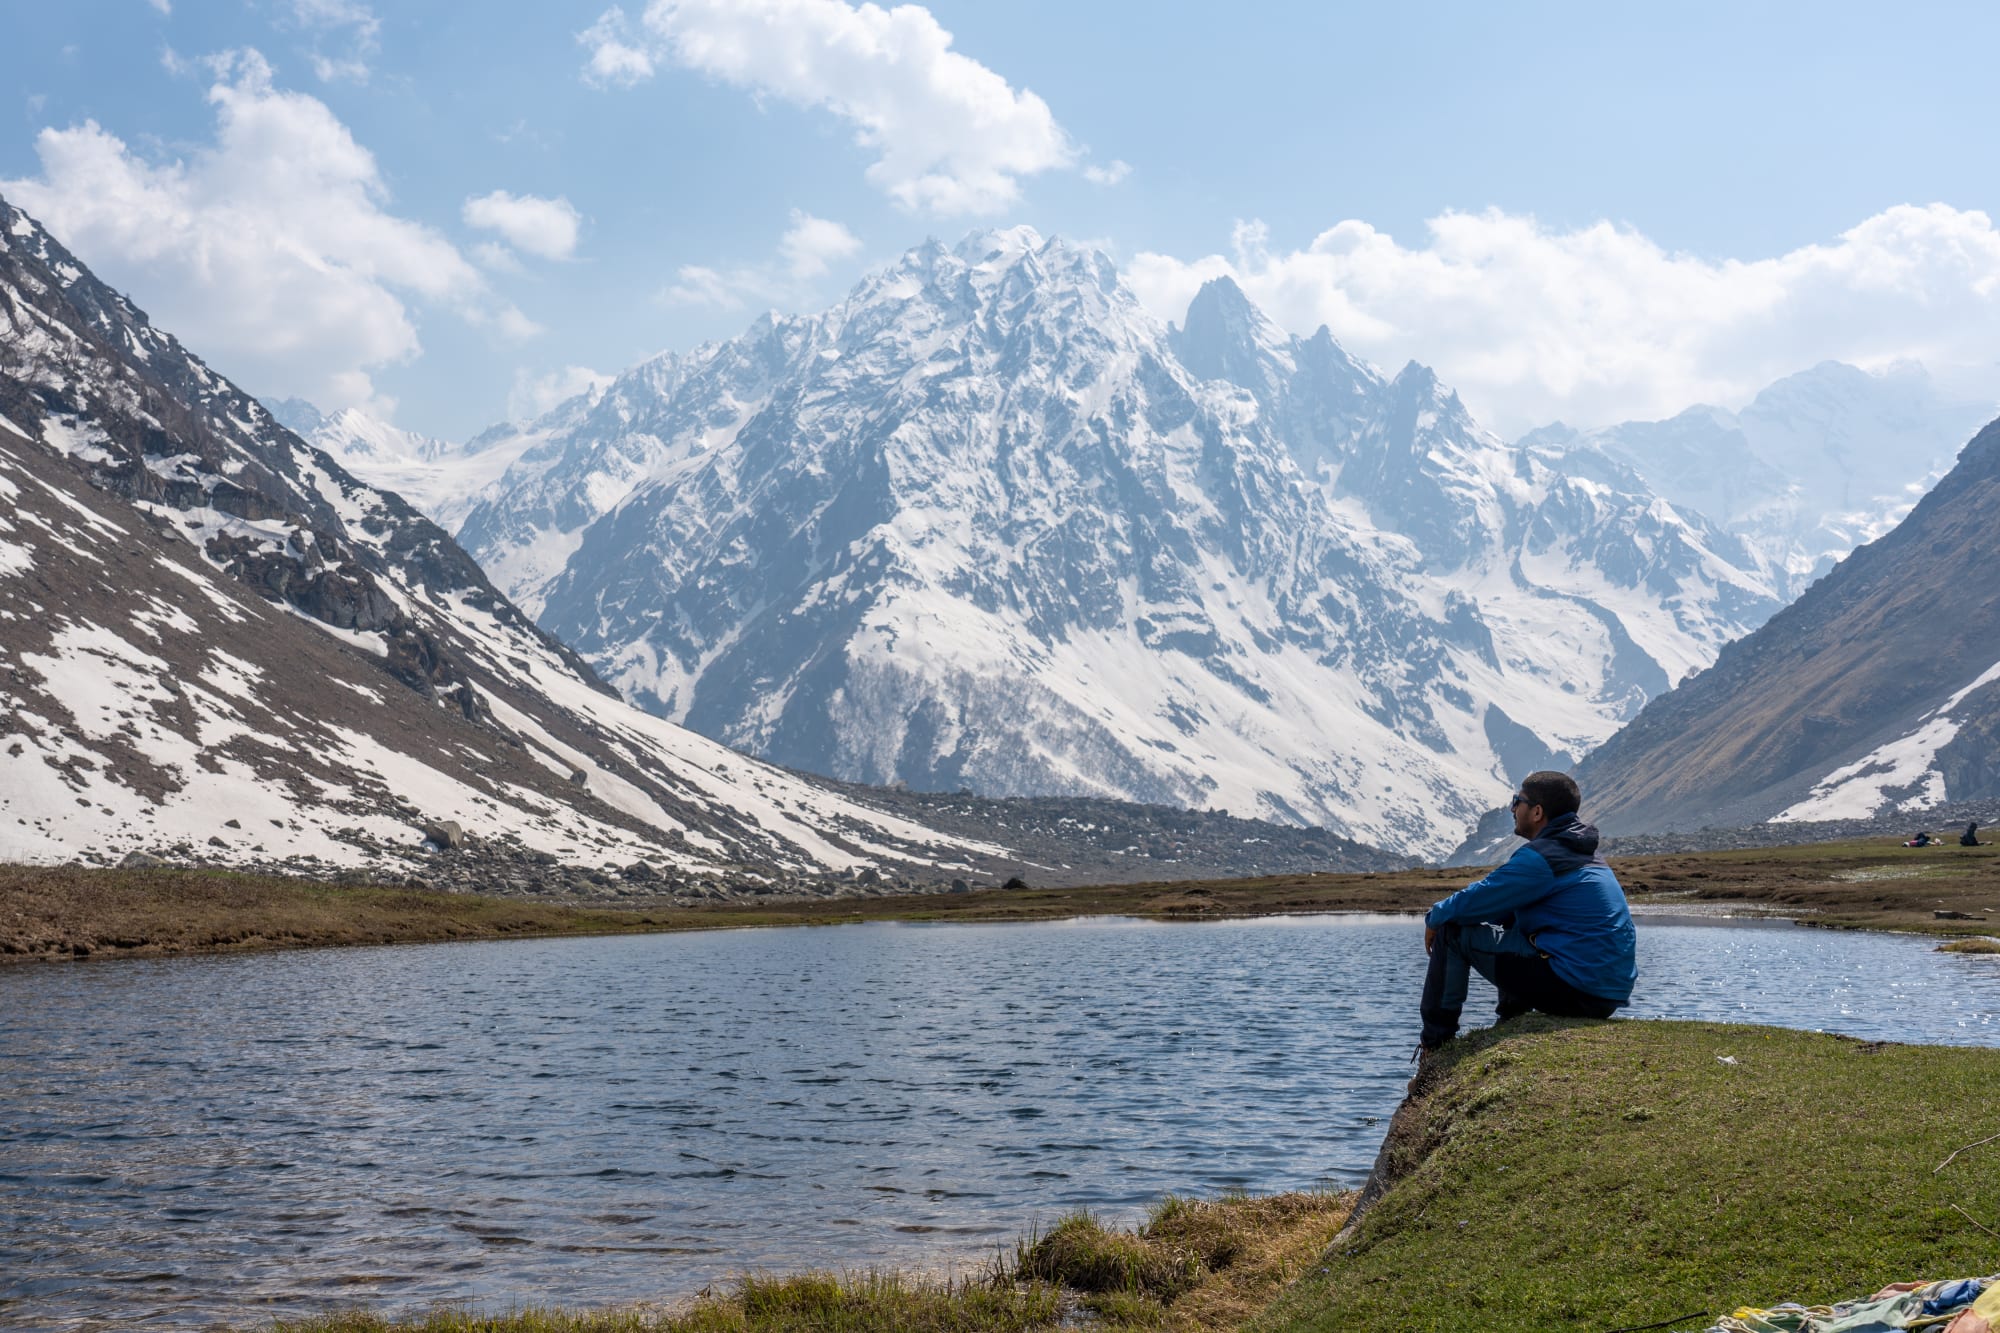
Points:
x=1817, y=464
x=988, y=523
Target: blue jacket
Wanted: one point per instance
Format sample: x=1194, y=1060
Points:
x=1560, y=893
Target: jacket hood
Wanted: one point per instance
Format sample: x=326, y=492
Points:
x=1567, y=843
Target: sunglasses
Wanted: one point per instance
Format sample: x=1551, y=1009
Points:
x=1518, y=801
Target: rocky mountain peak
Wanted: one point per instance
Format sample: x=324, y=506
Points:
x=1225, y=337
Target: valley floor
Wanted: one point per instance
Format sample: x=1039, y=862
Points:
x=64, y=913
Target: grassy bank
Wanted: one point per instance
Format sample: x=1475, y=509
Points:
x=1600, y=1176
x=65, y=913
x=1547, y=1175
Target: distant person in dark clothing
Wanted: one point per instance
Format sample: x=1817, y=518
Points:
x=1970, y=838
x=1921, y=840
x=1549, y=928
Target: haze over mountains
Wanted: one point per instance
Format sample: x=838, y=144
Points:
x=1817, y=464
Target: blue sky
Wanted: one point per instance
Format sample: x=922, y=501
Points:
x=306, y=189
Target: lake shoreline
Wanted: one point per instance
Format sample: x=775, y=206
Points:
x=69, y=913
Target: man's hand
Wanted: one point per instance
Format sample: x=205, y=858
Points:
x=1430, y=938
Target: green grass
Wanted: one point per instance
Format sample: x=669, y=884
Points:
x=1562, y=1175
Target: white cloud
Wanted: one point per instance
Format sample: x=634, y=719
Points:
x=697, y=284
x=614, y=61
x=271, y=251
x=545, y=227
x=1112, y=174
x=495, y=256
x=164, y=6
x=349, y=21
x=533, y=394
x=807, y=251
x=950, y=135
x=1601, y=324
x=812, y=244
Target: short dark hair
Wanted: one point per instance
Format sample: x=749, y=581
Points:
x=1555, y=792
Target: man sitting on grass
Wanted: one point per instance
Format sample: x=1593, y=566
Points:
x=1549, y=928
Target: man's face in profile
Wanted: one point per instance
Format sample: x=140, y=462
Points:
x=1527, y=816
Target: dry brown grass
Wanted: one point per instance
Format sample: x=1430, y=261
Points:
x=1195, y=1264
x=73, y=913
x=70, y=912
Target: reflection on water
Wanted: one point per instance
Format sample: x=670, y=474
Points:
x=593, y=1121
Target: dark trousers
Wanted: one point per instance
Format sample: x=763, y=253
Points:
x=1505, y=957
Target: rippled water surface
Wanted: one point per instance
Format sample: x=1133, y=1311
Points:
x=600, y=1120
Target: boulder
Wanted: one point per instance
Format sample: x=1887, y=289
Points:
x=141, y=861
x=960, y=886
x=448, y=834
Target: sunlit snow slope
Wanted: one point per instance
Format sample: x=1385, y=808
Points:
x=213, y=635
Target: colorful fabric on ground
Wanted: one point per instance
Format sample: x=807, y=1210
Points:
x=1961, y=1305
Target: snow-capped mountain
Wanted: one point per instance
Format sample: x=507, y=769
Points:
x=989, y=523
x=215, y=635
x=439, y=478
x=1878, y=691
x=1817, y=464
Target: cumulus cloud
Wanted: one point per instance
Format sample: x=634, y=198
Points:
x=950, y=135
x=1600, y=323
x=344, y=21
x=533, y=394
x=1116, y=171
x=544, y=227
x=806, y=251
x=271, y=251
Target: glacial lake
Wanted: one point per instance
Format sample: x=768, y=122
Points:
x=189, y=1141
